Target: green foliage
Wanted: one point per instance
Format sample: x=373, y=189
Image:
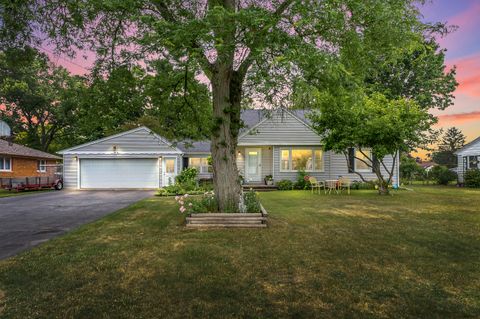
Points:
x=472, y=178
x=285, y=185
x=442, y=175
x=41, y=100
x=446, y=158
x=410, y=170
x=187, y=178
x=251, y=202
x=452, y=140
x=302, y=180
x=362, y=185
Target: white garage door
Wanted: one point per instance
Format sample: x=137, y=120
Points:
x=119, y=173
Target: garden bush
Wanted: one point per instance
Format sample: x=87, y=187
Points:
x=284, y=185
x=206, y=203
x=302, y=180
x=442, y=175
x=472, y=178
x=251, y=202
x=187, y=179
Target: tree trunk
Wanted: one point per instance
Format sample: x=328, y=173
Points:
x=226, y=112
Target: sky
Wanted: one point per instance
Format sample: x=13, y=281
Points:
x=463, y=51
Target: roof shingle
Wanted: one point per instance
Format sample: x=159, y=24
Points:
x=22, y=151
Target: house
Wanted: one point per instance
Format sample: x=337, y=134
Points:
x=468, y=158
x=20, y=161
x=279, y=143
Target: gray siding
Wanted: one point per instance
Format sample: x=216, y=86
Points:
x=141, y=141
x=335, y=165
x=267, y=159
x=70, y=171
x=281, y=129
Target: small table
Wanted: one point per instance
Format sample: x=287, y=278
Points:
x=331, y=184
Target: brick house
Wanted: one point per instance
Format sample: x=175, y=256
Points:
x=21, y=161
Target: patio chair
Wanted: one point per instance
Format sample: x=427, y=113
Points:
x=344, y=184
x=316, y=185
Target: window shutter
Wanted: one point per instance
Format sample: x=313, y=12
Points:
x=351, y=160
x=185, y=162
x=465, y=163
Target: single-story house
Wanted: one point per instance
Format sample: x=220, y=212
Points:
x=20, y=161
x=468, y=158
x=277, y=143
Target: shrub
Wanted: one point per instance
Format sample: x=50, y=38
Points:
x=187, y=179
x=251, y=202
x=362, y=185
x=442, y=175
x=285, y=185
x=472, y=178
x=198, y=204
x=302, y=180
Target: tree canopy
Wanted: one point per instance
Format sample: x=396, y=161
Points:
x=248, y=51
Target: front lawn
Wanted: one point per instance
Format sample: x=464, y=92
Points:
x=415, y=254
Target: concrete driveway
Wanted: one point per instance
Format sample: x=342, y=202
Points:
x=28, y=220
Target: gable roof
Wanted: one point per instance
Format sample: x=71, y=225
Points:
x=132, y=131
x=468, y=145
x=13, y=149
x=251, y=119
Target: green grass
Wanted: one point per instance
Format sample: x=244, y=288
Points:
x=414, y=254
x=6, y=193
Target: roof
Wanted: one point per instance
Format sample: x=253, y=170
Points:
x=107, y=138
x=250, y=118
x=13, y=149
x=466, y=146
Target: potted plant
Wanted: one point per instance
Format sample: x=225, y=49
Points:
x=269, y=180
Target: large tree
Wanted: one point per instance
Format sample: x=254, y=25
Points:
x=250, y=46
x=452, y=140
x=39, y=98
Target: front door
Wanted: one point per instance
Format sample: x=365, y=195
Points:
x=169, y=169
x=253, y=167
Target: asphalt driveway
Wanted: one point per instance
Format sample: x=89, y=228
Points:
x=28, y=220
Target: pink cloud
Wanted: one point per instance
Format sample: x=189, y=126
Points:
x=455, y=119
x=468, y=75
x=467, y=23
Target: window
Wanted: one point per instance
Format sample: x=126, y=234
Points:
x=473, y=162
x=200, y=163
x=285, y=163
x=5, y=164
x=41, y=166
x=169, y=165
x=360, y=159
x=296, y=159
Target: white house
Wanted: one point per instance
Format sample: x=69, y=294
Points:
x=279, y=144
x=468, y=158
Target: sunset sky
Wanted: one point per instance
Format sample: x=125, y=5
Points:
x=463, y=51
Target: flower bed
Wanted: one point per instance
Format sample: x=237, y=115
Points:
x=201, y=211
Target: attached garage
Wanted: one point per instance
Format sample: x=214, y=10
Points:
x=119, y=173
x=136, y=159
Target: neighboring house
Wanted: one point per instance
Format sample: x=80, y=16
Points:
x=279, y=143
x=21, y=161
x=468, y=158
x=427, y=166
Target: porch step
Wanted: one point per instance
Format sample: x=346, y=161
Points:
x=259, y=187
